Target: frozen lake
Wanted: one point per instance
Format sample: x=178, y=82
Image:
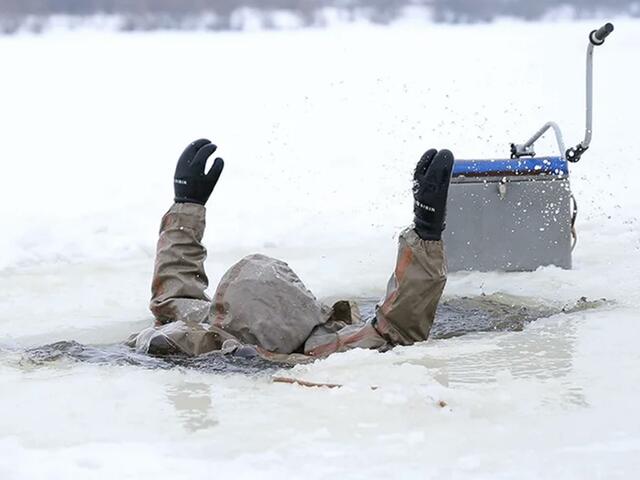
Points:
x=320, y=130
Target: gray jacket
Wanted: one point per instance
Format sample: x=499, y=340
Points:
x=260, y=301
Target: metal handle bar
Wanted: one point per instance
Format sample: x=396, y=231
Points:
x=526, y=149
x=596, y=38
x=573, y=154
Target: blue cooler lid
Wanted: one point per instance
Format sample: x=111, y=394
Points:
x=555, y=166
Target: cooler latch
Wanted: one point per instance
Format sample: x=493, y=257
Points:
x=502, y=188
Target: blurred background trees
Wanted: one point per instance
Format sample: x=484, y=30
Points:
x=183, y=14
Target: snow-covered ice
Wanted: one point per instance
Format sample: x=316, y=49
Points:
x=320, y=130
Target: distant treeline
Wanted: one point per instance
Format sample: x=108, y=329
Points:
x=220, y=14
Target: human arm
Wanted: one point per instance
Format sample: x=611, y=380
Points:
x=179, y=279
x=407, y=312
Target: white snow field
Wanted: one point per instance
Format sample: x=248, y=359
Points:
x=320, y=130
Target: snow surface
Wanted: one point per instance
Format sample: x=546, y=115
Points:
x=320, y=130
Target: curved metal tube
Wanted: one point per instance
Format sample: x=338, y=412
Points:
x=589, y=125
x=596, y=38
x=526, y=149
x=556, y=129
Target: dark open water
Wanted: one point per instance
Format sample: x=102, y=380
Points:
x=456, y=316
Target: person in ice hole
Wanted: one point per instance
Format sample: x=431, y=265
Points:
x=261, y=307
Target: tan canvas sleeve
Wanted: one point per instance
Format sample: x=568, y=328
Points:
x=322, y=343
x=179, y=280
x=406, y=314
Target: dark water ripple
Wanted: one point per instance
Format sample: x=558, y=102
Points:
x=121, y=355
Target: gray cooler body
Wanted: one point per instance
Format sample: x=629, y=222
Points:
x=509, y=215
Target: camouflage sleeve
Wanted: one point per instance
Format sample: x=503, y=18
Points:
x=179, y=279
x=406, y=313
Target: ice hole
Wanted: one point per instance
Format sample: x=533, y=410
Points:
x=456, y=316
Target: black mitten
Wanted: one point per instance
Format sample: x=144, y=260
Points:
x=430, y=189
x=190, y=183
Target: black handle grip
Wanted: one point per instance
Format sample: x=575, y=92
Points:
x=597, y=36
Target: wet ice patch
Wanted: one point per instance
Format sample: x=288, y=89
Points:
x=456, y=316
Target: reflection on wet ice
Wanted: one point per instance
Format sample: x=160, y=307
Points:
x=193, y=405
x=544, y=353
